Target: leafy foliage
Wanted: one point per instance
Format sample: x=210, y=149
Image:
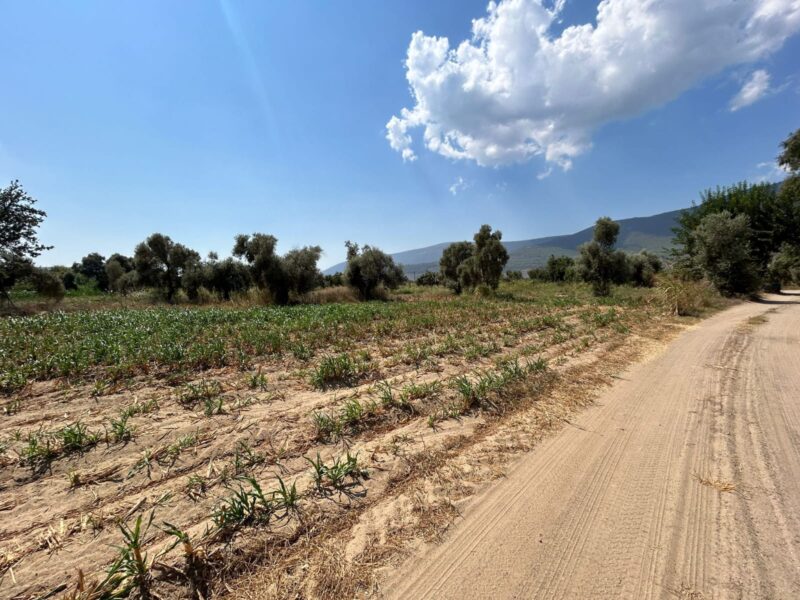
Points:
x=296, y=272
x=599, y=264
x=223, y=278
x=47, y=284
x=160, y=262
x=489, y=260
x=93, y=267
x=428, y=278
x=452, y=258
x=369, y=268
x=558, y=267
x=19, y=242
x=466, y=265
x=773, y=218
x=643, y=268
x=784, y=267
x=723, y=253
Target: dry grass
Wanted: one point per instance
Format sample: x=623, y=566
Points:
x=687, y=592
x=757, y=320
x=330, y=295
x=687, y=298
x=720, y=485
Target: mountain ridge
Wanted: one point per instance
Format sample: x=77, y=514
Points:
x=652, y=233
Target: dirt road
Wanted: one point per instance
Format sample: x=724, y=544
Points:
x=682, y=482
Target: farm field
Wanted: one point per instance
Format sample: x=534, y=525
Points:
x=281, y=451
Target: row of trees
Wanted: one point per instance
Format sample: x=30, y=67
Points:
x=601, y=264
x=468, y=265
x=169, y=267
x=745, y=237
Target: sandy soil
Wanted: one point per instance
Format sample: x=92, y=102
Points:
x=65, y=516
x=683, y=481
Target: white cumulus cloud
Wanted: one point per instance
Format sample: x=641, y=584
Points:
x=755, y=88
x=516, y=89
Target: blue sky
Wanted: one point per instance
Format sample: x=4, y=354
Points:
x=206, y=119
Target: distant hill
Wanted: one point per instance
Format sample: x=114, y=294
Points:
x=652, y=233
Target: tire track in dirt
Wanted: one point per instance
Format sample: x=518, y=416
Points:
x=684, y=479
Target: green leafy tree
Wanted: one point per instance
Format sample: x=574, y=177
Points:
x=370, y=268
x=19, y=242
x=116, y=267
x=114, y=272
x=772, y=212
x=295, y=273
x=301, y=269
x=222, y=277
x=428, y=278
x=558, y=267
x=266, y=267
x=784, y=268
x=69, y=280
x=490, y=256
x=599, y=264
x=538, y=274
x=47, y=284
x=93, y=268
x=126, y=262
x=333, y=280
x=161, y=263
x=724, y=255
x=452, y=258
x=466, y=265
x=643, y=268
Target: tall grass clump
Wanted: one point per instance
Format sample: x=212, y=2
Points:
x=339, y=370
x=682, y=297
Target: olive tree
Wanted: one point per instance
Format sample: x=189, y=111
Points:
x=784, y=268
x=258, y=250
x=47, y=284
x=369, y=268
x=161, y=263
x=452, y=258
x=93, y=268
x=598, y=263
x=490, y=256
x=466, y=265
x=643, y=268
x=724, y=255
x=117, y=267
x=222, y=277
x=558, y=267
x=19, y=242
x=295, y=273
x=301, y=269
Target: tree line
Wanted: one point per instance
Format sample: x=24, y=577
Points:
x=741, y=238
x=745, y=237
x=169, y=268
